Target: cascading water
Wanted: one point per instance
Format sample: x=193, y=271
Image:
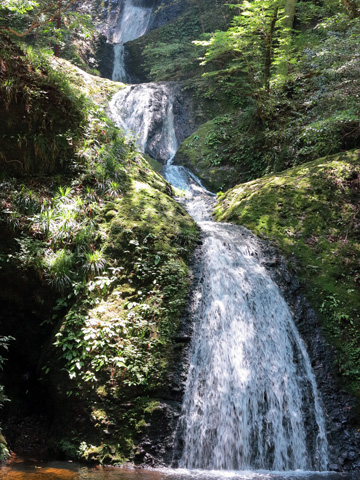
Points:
x=146, y=111
x=133, y=23
x=251, y=399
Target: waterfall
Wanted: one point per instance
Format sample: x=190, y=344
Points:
x=133, y=23
x=251, y=400
x=146, y=111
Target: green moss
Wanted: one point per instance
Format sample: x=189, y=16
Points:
x=206, y=153
x=116, y=341
x=311, y=213
x=97, y=88
x=115, y=247
x=155, y=165
x=43, y=115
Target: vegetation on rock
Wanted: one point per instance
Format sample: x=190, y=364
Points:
x=92, y=220
x=286, y=103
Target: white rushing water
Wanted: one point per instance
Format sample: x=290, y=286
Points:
x=146, y=111
x=133, y=23
x=251, y=399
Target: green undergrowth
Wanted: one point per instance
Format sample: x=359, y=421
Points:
x=311, y=213
x=222, y=153
x=109, y=240
x=314, y=113
x=43, y=117
x=168, y=53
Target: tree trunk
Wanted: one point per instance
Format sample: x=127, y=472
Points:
x=352, y=7
x=269, y=48
x=58, y=26
x=288, y=23
x=198, y=3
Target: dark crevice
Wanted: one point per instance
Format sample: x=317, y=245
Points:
x=25, y=314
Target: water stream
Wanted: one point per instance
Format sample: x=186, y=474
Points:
x=73, y=471
x=251, y=399
x=132, y=24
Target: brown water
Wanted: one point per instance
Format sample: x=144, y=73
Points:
x=73, y=471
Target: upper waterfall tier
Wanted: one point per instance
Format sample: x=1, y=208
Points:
x=153, y=114
x=133, y=22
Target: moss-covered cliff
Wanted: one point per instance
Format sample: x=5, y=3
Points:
x=101, y=249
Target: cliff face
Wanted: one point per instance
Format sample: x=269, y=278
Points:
x=107, y=16
x=94, y=258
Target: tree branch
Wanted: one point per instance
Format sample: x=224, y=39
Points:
x=35, y=23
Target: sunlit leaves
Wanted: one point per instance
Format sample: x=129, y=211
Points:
x=249, y=40
x=18, y=6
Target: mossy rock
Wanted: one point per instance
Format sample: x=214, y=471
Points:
x=205, y=153
x=117, y=344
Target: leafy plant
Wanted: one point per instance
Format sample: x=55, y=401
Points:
x=4, y=344
x=94, y=263
x=58, y=268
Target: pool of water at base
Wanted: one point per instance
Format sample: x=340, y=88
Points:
x=73, y=471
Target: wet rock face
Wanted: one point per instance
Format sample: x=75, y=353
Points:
x=341, y=409
x=166, y=11
x=184, y=122
x=162, y=442
x=162, y=113
x=105, y=56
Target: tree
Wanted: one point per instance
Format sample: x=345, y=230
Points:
x=287, y=24
x=250, y=41
x=23, y=17
x=352, y=7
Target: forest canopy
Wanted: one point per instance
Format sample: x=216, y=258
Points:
x=47, y=21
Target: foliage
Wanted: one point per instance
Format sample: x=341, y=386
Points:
x=224, y=151
x=4, y=452
x=4, y=343
x=315, y=113
x=114, y=247
x=48, y=19
x=261, y=42
x=130, y=309
x=249, y=43
x=48, y=113
x=168, y=52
